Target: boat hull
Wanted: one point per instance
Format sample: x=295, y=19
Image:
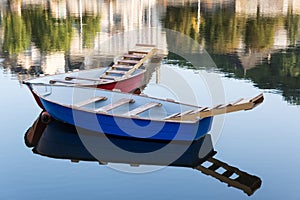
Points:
x=129, y=127
x=129, y=84
x=125, y=85
x=61, y=140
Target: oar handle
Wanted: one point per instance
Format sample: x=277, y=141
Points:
x=241, y=104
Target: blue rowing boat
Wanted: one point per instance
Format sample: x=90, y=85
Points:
x=61, y=140
x=130, y=115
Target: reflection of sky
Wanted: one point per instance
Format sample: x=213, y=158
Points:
x=268, y=140
x=263, y=141
x=180, y=84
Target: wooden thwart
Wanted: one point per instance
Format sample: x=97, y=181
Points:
x=146, y=57
x=115, y=72
x=92, y=100
x=114, y=105
x=172, y=115
x=145, y=45
x=185, y=113
x=110, y=77
x=133, y=56
x=130, y=62
x=124, y=67
x=241, y=104
x=142, y=108
x=138, y=52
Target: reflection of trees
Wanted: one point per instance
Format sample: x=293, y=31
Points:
x=259, y=33
x=283, y=74
x=48, y=33
x=292, y=26
x=221, y=31
x=16, y=34
x=90, y=28
x=183, y=20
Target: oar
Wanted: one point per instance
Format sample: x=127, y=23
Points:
x=69, y=78
x=59, y=81
x=242, y=104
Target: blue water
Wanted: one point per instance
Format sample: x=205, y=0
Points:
x=262, y=142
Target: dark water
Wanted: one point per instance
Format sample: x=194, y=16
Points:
x=255, y=48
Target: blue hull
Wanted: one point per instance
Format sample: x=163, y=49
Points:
x=129, y=127
x=62, y=141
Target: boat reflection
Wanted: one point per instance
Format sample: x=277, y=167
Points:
x=62, y=141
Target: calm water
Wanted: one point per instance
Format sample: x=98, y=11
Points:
x=253, y=49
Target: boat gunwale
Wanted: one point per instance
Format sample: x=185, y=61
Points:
x=120, y=115
x=64, y=75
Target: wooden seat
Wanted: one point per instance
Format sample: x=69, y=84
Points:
x=110, y=77
x=172, y=115
x=133, y=62
x=138, y=52
x=92, y=100
x=144, y=45
x=114, y=105
x=133, y=56
x=142, y=108
x=105, y=80
x=179, y=114
x=115, y=72
x=124, y=67
x=185, y=113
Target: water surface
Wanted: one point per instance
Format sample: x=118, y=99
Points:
x=255, y=48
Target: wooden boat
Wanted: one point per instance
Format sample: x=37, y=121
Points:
x=73, y=144
x=123, y=75
x=130, y=115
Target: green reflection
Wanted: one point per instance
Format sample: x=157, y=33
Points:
x=16, y=34
x=281, y=73
x=259, y=33
x=227, y=36
x=35, y=24
x=292, y=26
x=48, y=34
x=183, y=20
x=222, y=31
x=243, y=46
x=90, y=27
